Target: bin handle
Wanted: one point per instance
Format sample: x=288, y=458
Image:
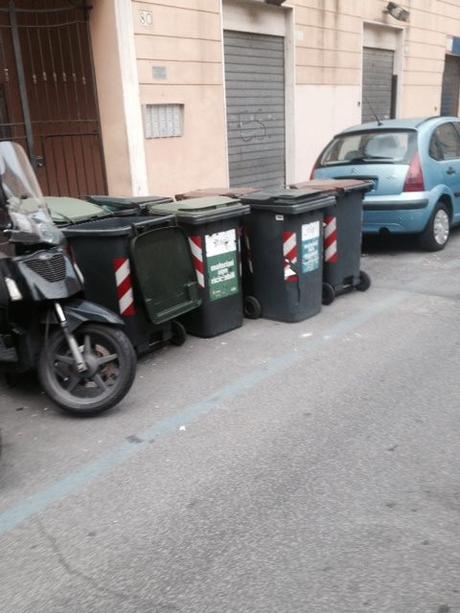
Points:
x=192, y=290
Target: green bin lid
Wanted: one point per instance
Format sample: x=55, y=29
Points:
x=66, y=210
x=165, y=273
x=203, y=210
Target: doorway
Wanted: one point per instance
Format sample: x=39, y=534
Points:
x=48, y=100
x=256, y=100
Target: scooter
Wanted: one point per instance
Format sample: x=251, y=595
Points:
x=85, y=362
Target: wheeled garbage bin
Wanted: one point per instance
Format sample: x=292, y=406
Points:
x=137, y=205
x=141, y=268
x=342, y=236
x=283, y=254
x=213, y=228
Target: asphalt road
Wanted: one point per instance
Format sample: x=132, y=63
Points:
x=303, y=468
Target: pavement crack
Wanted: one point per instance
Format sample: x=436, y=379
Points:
x=101, y=589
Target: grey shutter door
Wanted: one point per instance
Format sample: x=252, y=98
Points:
x=255, y=93
x=450, y=86
x=378, y=67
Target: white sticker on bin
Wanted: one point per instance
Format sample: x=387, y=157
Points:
x=310, y=230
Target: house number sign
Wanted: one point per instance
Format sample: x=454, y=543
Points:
x=146, y=18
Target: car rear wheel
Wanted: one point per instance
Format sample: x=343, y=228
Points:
x=437, y=232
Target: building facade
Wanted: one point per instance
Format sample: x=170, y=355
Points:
x=202, y=93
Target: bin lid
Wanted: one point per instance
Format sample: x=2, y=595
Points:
x=336, y=185
x=289, y=201
x=65, y=211
x=165, y=273
x=128, y=204
x=229, y=192
x=117, y=226
x=128, y=200
x=203, y=210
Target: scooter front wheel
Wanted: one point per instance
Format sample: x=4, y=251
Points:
x=111, y=368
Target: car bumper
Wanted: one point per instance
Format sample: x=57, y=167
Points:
x=405, y=214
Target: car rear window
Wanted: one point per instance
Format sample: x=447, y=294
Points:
x=379, y=147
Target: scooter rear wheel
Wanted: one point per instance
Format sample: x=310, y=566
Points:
x=111, y=370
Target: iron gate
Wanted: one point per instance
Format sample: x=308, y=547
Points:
x=48, y=97
x=379, y=84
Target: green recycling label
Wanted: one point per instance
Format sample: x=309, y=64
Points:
x=222, y=264
x=310, y=246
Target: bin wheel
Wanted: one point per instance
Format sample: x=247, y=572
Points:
x=179, y=335
x=252, y=308
x=328, y=294
x=364, y=281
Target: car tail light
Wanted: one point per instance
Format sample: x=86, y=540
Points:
x=414, y=179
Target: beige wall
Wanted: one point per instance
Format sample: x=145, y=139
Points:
x=110, y=94
x=323, y=76
x=185, y=38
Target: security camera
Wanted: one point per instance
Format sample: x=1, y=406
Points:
x=397, y=11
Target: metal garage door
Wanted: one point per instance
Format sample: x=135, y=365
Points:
x=254, y=74
x=450, y=86
x=378, y=83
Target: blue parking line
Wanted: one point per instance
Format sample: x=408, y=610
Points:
x=74, y=481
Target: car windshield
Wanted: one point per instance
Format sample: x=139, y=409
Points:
x=27, y=210
x=380, y=146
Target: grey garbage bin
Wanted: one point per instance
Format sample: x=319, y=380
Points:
x=283, y=254
x=342, y=236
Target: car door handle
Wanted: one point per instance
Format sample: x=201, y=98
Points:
x=450, y=171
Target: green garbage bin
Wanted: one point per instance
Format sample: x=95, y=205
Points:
x=141, y=268
x=136, y=205
x=283, y=254
x=342, y=236
x=213, y=228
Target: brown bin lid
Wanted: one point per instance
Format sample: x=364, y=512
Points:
x=229, y=192
x=334, y=185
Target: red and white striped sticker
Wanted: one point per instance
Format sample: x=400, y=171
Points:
x=290, y=255
x=196, y=246
x=248, y=251
x=124, y=287
x=330, y=240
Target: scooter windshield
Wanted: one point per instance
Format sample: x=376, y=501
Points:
x=30, y=219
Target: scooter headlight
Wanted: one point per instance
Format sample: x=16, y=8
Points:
x=13, y=289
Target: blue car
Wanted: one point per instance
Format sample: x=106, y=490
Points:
x=414, y=165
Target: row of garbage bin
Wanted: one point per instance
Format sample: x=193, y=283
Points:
x=200, y=262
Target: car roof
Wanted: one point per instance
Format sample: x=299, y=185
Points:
x=415, y=123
